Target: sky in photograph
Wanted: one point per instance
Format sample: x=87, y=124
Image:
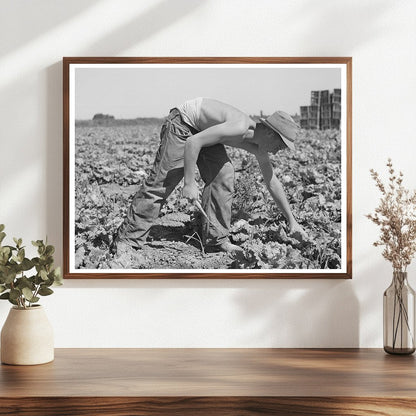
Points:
x=151, y=92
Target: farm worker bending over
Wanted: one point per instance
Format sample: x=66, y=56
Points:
x=194, y=134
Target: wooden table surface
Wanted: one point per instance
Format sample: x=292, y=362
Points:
x=212, y=382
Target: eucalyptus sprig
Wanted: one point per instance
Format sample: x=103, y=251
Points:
x=15, y=285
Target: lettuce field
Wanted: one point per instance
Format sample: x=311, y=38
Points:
x=113, y=158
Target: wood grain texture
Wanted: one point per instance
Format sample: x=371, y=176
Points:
x=67, y=61
x=207, y=406
x=208, y=60
x=214, y=372
x=349, y=168
x=212, y=381
x=65, y=164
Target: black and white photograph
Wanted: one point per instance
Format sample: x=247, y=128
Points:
x=212, y=169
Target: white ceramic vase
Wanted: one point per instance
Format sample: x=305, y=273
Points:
x=27, y=337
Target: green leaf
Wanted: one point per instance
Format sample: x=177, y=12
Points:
x=37, y=243
x=27, y=293
x=18, y=242
x=14, y=302
x=38, y=280
x=7, y=296
x=45, y=260
x=8, y=277
x=5, y=250
x=1, y=227
x=57, y=275
x=2, y=288
x=45, y=291
x=26, y=264
x=21, y=255
x=15, y=294
x=43, y=274
x=12, y=267
x=4, y=255
x=2, y=236
x=24, y=282
x=11, y=248
x=49, y=250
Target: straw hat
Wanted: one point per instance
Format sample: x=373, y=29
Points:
x=284, y=125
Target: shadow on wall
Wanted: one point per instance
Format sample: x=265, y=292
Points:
x=162, y=15
x=286, y=313
x=301, y=313
x=54, y=146
x=158, y=17
x=375, y=276
x=37, y=18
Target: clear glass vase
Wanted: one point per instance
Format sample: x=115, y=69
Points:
x=399, y=316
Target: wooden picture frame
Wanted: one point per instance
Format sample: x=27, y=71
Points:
x=95, y=86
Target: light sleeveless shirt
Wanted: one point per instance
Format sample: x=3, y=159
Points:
x=191, y=112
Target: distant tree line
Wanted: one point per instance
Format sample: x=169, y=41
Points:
x=101, y=116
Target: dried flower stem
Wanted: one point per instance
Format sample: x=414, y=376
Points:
x=396, y=217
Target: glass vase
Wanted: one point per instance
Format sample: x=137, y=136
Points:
x=399, y=316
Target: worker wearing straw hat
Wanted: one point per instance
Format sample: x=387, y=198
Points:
x=195, y=135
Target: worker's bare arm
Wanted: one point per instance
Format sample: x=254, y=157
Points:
x=277, y=192
x=213, y=135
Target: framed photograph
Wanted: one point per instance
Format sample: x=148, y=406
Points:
x=207, y=168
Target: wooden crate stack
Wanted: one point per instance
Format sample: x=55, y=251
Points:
x=336, y=108
x=324, y=111
x=309, y=117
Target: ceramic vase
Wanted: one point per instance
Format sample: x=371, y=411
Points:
x=27, y=337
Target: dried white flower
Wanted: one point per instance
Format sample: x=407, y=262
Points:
x=396, y=216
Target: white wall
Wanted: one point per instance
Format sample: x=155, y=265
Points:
x=380, y=35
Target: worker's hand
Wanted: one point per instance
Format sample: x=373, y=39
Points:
x=296, y=231
x=191, y=192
